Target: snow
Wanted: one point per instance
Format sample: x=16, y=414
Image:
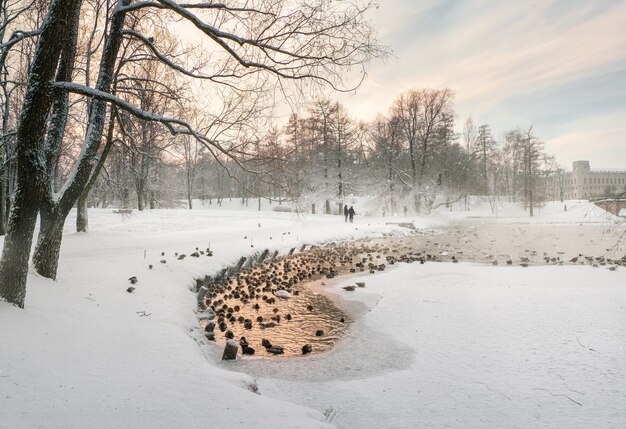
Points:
x=469, y=346
x=567, y=212
x=429, y=345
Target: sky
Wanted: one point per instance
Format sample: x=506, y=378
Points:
x=559, y=65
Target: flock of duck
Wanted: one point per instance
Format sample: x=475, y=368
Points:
x=248, y=301
x=253, y=296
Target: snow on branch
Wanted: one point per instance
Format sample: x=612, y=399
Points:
x=218, y=6
x=16, y=37
x=174, y=125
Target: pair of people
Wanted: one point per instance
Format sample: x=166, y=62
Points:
x=348, y=213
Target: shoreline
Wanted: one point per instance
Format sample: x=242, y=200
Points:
x=457, y=242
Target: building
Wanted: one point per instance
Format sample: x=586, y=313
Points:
x=583, y=182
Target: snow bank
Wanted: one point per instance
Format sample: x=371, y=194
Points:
x=571, y=211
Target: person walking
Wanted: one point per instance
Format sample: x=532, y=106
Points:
x=345, y=212
x=351, y=213
x=405, y=211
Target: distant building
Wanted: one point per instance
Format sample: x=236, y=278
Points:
x=585, y=182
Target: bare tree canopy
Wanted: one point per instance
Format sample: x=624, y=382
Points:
x=251, y=47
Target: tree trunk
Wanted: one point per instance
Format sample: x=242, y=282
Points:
x=2, y=206
x=16, y=251
x=140, y=195
x=413, y=163
x=7, y=199
x=82, y=216
x=31, y=178
x=530, y=196
x=54, y=212
x=530, y=178
x=48, y=248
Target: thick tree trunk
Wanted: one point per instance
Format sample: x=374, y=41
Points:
x=16, y=251
x=9, y=191
x=55, y=211
x=139, y=190
x=82, y=215
x=2, y=206
x=31, y=178
x=46, y=256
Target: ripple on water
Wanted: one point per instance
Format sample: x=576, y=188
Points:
x=290, y=334
x=307, y=317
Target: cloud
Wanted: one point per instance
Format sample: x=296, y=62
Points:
x=510, y=64
x=604, y=148
x=495, y=49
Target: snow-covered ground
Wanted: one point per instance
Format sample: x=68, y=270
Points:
x=431, y=344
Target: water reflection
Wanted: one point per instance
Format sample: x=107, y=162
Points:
x=295, y=323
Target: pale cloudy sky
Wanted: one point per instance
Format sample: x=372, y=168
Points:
x=559, y=65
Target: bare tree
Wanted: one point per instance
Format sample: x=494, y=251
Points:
x=406, y=111
x=530, y=148
x=484, y=150
x=469, y=141
x=31, y=177
x=192, y=153
x=344, y=136
x=320, y=122
x=15, y=16
x=388, y=152
x=254, y=44
x=421, y=113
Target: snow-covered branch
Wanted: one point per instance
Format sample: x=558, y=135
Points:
x=15, y=38
x=174, y=125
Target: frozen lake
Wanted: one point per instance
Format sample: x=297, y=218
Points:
x=459, y=345
x=462, y=345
